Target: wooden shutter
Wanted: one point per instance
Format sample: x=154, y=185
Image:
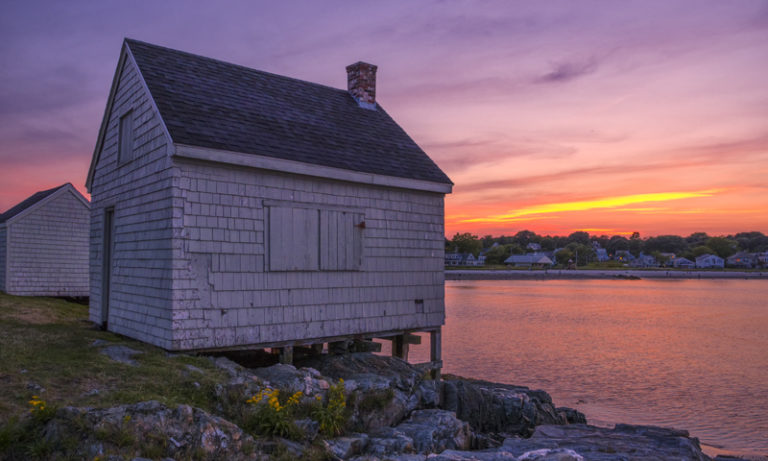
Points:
x=341, y=240
x=293, y=239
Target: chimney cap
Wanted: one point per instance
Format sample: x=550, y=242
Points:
x=360, y=64
x=361, y=83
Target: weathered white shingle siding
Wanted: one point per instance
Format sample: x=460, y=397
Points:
x=47, y=248
x=141, y=193
x=225, y=295
x=3, y=250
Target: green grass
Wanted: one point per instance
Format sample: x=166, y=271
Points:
x=48, y=342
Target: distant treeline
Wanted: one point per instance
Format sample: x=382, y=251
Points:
x=583, y=246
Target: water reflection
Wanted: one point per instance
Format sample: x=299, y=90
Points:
x=685, y=353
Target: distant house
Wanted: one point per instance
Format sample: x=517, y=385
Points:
x=44, y=244
x=644, y=260
x=234, y=208
x=623, y=256
x=666, y=258
x=762, y=259
x=535, y=247
x=682, y=263
x=464, y=259
x=529, y=260
x=454, y=258
x=707, y=261
x=602, y=255
x=743, y=260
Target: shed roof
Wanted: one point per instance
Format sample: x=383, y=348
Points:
x=28, y=202
x=530, y=258
x=213, y=104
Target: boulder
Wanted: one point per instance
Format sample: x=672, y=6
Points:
x=458, y=455
x=149, y=429
x=623, y=442
x=502, y=408
x=289, y=378
x=349, y=445
x=433, y=431
x=385, y=390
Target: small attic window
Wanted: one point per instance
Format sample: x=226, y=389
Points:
x=125, y=138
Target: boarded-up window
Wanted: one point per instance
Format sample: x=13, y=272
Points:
x=125, y=138
x=310, y=239
x=293, y=239
x=341, y=240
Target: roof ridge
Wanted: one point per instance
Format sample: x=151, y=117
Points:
x=30, y=201
x=214, y=104
x=221, y=61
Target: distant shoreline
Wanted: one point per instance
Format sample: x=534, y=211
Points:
x=550, y=274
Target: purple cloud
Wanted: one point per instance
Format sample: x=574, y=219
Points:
x=566, y=71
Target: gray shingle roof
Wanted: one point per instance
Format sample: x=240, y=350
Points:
x=213, y=104
x=28, y=202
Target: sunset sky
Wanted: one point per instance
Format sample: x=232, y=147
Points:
x=610, y=117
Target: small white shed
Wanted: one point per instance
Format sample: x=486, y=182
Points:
x=44, y=245
x=234, y=208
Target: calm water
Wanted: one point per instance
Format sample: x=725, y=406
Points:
x=691, y=354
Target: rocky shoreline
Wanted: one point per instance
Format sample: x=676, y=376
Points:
x=541, y=274
x=394, y=412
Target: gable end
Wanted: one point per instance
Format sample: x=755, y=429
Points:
x=125, y=55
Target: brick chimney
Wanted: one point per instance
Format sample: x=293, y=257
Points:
x=361, y=83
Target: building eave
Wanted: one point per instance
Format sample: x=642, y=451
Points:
x=306, y=169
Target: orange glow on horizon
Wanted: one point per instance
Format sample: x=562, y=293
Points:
x=583, y=205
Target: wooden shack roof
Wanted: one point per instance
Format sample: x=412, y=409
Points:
x=30, y=201
x=212, y=104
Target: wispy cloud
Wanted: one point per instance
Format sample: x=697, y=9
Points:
x=565, y=71
x=462, y=153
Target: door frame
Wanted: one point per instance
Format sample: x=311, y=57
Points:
x=108, y=234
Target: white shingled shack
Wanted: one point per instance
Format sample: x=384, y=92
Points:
x=237, y=209
x=44, y=245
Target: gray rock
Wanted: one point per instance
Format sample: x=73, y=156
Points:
x=502, y=408
x=400, y=457
x=436, y=430
x=229, y=366
x=348, y=446
x=624, y=442
x=572, y=416
x=194, y=369
x=36, y=388
x=389, y=441
x=458, y=455
x=387, y=389
x=291, y=379
x=120, y=353
x=399, y=373
x=181, y=432
x=547, y=454
x=429, y=393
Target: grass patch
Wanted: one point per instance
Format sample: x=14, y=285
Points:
x=47, y=343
